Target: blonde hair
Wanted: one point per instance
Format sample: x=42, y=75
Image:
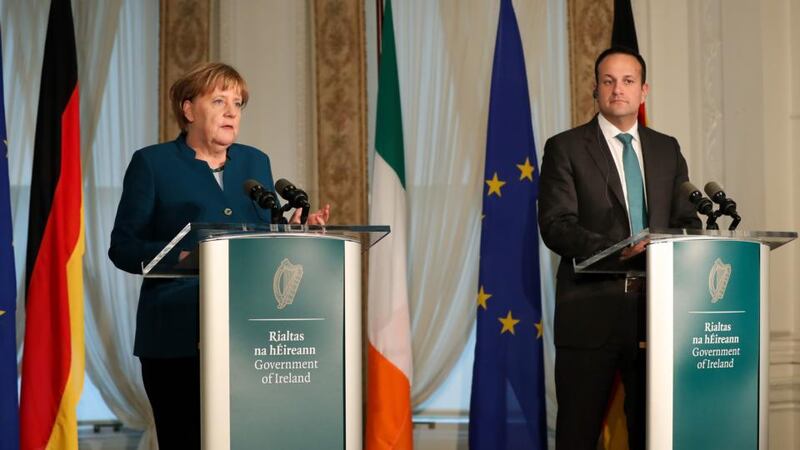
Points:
x=203, y=79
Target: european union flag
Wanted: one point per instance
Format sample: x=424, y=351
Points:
x=9, y=419
x=507, y=409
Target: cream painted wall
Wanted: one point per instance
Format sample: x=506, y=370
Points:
x=725, y=78
x=270, y=43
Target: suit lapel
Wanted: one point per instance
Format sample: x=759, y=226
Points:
x=649, y=156
x=597, y=147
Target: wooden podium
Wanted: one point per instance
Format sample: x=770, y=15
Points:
x=707, y=334
x=280, y=332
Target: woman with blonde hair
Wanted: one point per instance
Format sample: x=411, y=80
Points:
x=197, y=177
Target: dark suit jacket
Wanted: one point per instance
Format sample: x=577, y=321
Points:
x=165, y=188
x=582, y=211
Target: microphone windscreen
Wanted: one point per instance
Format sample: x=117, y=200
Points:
x=687, y=189
x=282, y=184
x=712, y=189
x=249, y=185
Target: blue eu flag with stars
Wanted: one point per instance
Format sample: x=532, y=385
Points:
x=507, y=408
x=9, y=418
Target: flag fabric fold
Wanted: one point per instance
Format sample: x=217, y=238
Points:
x=9, y=416
x=53, y=352
x=507, y=407
x=389, y=365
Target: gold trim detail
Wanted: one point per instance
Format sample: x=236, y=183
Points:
x=589, y=23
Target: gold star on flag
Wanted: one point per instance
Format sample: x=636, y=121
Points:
x=494, y=185
x=526, y=170
x=2, y=312
x=539, y=329
x=508, y=323
x=482, y=297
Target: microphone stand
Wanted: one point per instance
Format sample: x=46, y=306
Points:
x=276, y=216
x=304, y=213
x=711, y=221
x=735, y=223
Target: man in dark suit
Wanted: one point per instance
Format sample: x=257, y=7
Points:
x=600, y=183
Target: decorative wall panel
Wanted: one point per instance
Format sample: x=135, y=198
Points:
x=341, y=108
x=590, y=24
x=183, y=42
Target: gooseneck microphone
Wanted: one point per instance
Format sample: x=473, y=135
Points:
x=259, y=194
x=717, y=194
x=295, y=198
x=265, y=199
x=690, y=191
x=701, y=203
x=726, y=205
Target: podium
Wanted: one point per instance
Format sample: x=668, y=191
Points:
x=280, y=331
x=707, y=333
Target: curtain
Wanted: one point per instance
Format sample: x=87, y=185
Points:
x=445, y=52
x=117, y=43
x=119, y=111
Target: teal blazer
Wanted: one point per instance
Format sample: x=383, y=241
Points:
x=165, y=188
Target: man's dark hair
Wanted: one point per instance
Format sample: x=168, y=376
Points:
x=615, y=50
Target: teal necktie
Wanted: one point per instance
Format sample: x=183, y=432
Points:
x=634, y=184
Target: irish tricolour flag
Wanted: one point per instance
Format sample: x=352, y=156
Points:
x=389, y=357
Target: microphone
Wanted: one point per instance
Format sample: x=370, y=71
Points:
x=726, y=205
x=702, y=204
x=296, y=197
x=715, y=193
x=264, y=198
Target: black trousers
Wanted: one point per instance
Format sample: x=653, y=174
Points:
x=585, y=377
x=173, y=388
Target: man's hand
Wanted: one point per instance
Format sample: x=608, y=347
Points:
x=633, y=250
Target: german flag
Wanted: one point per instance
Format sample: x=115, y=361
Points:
x=53, y=358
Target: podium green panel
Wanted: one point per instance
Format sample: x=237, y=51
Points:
x=716, y=344
x=280, y=342
x=707, y=344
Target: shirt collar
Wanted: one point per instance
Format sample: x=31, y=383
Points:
x=610, y=131
x=189, y=151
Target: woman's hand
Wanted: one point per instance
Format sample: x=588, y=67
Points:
x=316, y=218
